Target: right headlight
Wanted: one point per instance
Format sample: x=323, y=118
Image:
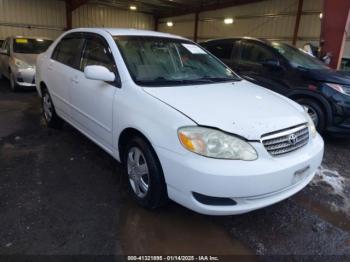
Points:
x=216, y=144
x=340, y=88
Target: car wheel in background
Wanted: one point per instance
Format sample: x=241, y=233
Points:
x=49, y=112
x=316, y=113
x=145, y=174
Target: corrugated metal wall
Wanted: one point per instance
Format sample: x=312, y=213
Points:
x=92, y=15
x=272, y=19
x=48, y=18
x=32, y=18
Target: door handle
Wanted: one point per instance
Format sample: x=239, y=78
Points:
x=49, y=68
x=74, y=80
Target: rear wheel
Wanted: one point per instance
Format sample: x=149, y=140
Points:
x=315, y=111
x=49, y=112
x=145, y=175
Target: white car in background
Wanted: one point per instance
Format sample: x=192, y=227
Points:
x=183, y=124
x=18, y=59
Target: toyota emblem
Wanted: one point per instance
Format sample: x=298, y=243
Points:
x=292, y=139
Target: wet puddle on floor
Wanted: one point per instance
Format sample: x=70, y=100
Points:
x=174, y=230
x=338, y=219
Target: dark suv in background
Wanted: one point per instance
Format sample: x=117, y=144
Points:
x=325, y=93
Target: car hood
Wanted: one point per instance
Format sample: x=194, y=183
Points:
x=30, y=59
x=329, y=75
x=241, y=108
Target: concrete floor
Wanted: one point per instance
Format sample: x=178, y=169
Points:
x=61, y=194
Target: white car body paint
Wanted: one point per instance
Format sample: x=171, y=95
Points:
x=102, y=111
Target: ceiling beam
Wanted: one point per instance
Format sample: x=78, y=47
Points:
x=210, y=7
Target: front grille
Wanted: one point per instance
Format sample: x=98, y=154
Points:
x=286, y=141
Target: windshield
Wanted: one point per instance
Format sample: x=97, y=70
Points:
x=158, y=61
x=298, y=58
x=30, y=46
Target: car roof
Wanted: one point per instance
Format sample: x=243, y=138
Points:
x=261, y=40
x=128, y=32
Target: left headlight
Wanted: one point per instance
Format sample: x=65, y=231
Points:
x=340, y=88
x=216, y=144
x=21, y=64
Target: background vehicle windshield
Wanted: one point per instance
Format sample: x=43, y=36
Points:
x=298, y=58
x=30, y=46
x=157, y=61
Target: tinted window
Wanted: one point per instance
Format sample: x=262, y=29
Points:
x=97, y=52
x=221, y=50
x=6, y=45
x=255, y=53
x=68, y=51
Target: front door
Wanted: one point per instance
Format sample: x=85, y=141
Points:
x=92, y=100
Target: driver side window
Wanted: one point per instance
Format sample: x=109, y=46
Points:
x=254, y=53
x=98, y=53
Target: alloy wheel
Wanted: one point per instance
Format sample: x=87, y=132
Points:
x=138, y=173
x=47, y=107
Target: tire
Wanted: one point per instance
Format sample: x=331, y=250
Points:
x=14, y=87
x=49, y=113
x=144, y=173
x=316, y=113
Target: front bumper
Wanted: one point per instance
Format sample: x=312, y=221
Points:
x=251, y=184
x=24, y=77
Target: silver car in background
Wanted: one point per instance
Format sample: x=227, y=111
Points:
x=18, y=60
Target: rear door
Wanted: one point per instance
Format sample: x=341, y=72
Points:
x=65, y=61
x=92, y=100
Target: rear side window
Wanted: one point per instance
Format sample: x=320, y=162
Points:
x=68, y=51
x=97, y=52
x=222, y=50
x=254, y=53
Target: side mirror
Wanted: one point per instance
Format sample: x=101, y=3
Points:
x=272, y=64
x=96, y=72
x=3, y=52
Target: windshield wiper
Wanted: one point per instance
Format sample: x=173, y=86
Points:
x=170, y=82
x=219, y=79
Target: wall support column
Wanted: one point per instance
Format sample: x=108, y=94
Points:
x=297, y=21
x=196, y=20
x=335, y=23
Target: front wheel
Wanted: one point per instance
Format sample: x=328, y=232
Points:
x=315, y=112
x=49, y=112
x=145, y=175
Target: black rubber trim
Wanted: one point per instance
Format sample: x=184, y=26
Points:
x=213, y=201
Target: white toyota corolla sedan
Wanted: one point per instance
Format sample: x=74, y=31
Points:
x=185, y=126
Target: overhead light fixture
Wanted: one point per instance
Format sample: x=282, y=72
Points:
x=133, y=7
x=170, y=24
x=321, y=15
x=228, y=21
